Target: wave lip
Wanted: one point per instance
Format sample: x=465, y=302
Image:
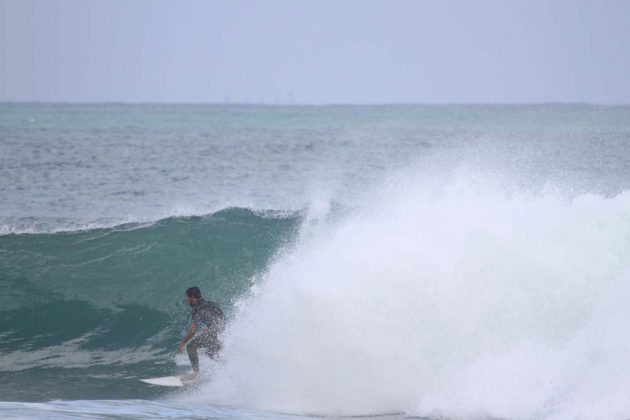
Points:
x=42, y=225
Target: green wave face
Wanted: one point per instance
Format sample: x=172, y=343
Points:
x=108, y=304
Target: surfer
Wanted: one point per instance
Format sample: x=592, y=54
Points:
x=211, y=316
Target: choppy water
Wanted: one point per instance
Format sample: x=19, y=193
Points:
x=440, y=261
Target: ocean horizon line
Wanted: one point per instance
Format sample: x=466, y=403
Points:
x=314, y=105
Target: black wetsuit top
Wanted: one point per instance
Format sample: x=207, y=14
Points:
x=209, y=314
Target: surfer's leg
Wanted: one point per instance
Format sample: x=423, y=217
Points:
x=213, y=346
x=192, y=347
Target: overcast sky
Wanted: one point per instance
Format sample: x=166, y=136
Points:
x=315, y=51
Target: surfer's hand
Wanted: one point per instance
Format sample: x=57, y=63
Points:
x=180, y=348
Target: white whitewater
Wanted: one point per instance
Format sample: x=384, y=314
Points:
x=466, y=301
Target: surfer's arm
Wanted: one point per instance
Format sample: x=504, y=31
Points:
x=190, y=334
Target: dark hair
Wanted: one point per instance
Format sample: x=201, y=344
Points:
x=193, y=292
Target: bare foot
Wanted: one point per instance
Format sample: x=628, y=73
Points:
x=189, y=377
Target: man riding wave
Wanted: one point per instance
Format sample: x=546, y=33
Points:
x=208, y=314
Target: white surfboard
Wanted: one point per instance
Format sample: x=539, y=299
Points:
x=175, y=381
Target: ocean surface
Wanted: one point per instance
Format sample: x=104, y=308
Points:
x=451, y=262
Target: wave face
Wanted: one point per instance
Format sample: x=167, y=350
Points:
x=463, y=301
x=107, y=304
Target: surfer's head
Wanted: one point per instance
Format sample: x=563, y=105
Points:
x=193, y=294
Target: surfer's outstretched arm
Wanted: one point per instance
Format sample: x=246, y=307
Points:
x=190, y=334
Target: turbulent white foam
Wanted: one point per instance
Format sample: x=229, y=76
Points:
x=457, y=302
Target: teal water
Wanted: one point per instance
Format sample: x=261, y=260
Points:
x=439, y=261
x=105, y=306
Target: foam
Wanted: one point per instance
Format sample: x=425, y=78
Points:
x=456, y=301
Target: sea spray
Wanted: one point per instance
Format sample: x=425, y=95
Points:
x=462, y=301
